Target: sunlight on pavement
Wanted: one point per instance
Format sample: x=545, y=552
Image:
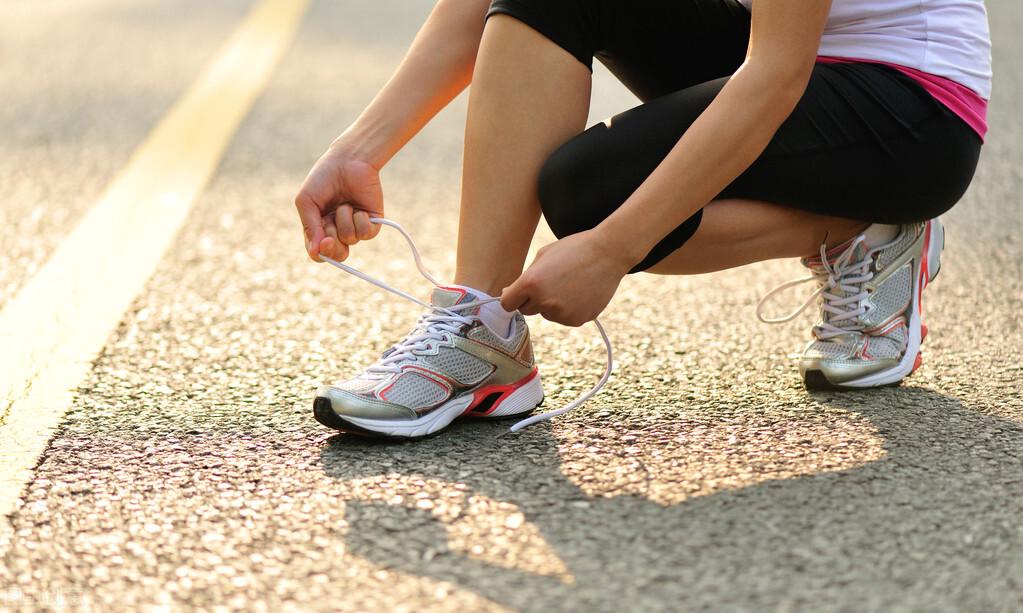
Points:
x=686, y=460
x=188, y=472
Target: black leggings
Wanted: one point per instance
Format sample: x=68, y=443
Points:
x=865, y=142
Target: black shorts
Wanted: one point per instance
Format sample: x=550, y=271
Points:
x=865, y=142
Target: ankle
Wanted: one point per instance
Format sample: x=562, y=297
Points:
x=491, y=285
x=497, y=319
x=878, y=234
x=492, y=314
x=836, y=235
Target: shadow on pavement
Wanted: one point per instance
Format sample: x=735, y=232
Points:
x=894, y=532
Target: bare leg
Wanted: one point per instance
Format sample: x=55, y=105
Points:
x=528, y=97
x=737, y=232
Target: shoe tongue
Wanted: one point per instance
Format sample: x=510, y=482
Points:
x=447, y=297
x=834, y=252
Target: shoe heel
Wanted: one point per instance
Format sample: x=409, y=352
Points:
x=936, y=244
x=506, y=401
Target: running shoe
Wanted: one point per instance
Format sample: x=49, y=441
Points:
x=871, y=326
x=451, y=365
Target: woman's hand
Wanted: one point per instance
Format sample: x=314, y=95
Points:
x=570, y=281
x=342, y=190
x=339, y=196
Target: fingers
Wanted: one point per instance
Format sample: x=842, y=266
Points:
x=342, y=229
x=331, y=246
x=346, y=224
x=331, y=235
x=312, y=223
x=516, y=296
x=525, y=297
x=334, y=249
x=530, y=308
x=364, y=228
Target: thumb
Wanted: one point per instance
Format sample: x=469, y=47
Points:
x=514, y=296
x=312, y=224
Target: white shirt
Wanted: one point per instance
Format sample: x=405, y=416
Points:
x=947, y=38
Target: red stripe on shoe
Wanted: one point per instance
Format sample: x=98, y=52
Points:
x=489, y=390
x=924, y=269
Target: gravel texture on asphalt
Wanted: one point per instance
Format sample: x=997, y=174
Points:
x=83, y=82
x=190, y=473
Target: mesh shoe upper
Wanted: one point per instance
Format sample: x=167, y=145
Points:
x=444, y=356
x=866, y=294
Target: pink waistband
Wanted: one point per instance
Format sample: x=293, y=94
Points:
x=961, y=100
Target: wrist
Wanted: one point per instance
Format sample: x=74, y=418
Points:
x=362, y=143
x=621, y=244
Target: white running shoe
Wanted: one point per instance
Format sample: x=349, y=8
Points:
x=871, y=327
x=451, y=365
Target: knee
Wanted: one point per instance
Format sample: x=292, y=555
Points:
x=566, y=189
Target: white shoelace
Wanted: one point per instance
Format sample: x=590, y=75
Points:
x=442, y=321
x=435, y=327
x=843, y=274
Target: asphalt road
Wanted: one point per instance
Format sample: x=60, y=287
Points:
x=189, y=472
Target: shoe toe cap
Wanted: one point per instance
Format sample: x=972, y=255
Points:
x=348, y=404
x=820, y=373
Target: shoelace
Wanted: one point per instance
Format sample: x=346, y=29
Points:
x=842, y=274
x=435, y=327
x=443, y=320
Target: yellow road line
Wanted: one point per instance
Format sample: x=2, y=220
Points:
x=53, y=329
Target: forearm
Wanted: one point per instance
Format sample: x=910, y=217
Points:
x=437, y=67
x=722, y=143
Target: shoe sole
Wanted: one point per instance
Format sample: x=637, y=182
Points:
x=500, y=402
x=930, y=266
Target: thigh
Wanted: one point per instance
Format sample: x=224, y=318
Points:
x=867, y=143
x=654, y=47
x=590, y=176
x=864, y=143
